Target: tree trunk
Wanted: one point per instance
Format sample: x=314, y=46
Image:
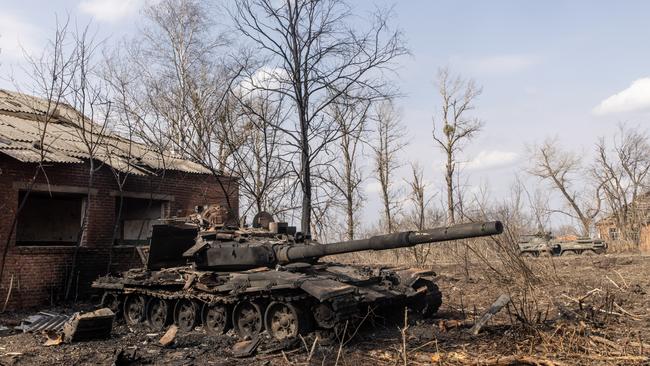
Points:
x=449, y=178
x=305, y=166
x=82, y=230
x=350, y=214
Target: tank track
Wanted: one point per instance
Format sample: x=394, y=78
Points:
x=344, y=308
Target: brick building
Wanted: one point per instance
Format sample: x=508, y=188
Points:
x=37, y=241
x=610, y=228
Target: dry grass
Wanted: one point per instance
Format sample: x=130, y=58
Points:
x=564, y=311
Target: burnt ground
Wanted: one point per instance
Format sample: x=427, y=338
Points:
x=575, y=311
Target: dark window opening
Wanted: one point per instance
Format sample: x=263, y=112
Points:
x=136, y=219
x=49, y=219
x=613, y=233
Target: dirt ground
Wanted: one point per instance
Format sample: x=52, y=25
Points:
x=579, y=311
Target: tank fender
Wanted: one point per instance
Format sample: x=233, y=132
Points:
x=324, y=289
x=407, y=277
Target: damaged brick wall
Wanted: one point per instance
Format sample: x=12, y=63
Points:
x=40, y=272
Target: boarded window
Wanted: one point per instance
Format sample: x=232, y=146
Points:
x=49, y=219
x=135, y=219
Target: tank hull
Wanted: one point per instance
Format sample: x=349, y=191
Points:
x=318, y=297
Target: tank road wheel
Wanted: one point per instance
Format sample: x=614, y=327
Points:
x=134, y=309
x=284, y=321
x=247, y=319
x=589, y=252
x=427, y=303
x=186, y=315
x=216, y=318
x=324, y=316
x=112, y=301
x=158, y=311
x=568, y=253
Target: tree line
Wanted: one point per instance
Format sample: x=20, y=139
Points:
x=298, y=100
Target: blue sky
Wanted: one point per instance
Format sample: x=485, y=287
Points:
x=571, y=69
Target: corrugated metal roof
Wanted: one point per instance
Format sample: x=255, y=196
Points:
x=68, y=137
x=43, y=321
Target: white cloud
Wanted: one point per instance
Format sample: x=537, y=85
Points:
x=491, y=159
x=633, y=99
x=264, y=78
x=499, y=64
x=16, y=36
x=373, y=187
x=110, y=10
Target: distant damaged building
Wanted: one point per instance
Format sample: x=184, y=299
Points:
x=628, y=228
x=45, y=189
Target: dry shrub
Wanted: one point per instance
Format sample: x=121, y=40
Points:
x=622, y=246
x=528, y=309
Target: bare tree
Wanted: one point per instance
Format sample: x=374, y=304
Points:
x=345, y=176
x=538, y=204
x=623, y=171
x=178, y=85
x=387, y=145
x=563, y=169
x=315, y=53
x=419, y=200
x=64, y=75
x=51, y=79
x=453, y=128
x=255, y=152
x=88, y=97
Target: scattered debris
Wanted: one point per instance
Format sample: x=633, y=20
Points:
x=169, y=336
x=288, y=345
x=446, y=324
x=54, y=338
x=502, y=301
x=125, y=357
x=245, y=348
x=42, y=321
x=86, y=326
x=5, y=331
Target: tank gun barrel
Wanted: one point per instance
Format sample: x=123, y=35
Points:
x=295, y=253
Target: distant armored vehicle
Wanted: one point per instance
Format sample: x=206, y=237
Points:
x=269, y=277
x=545, y=244
x=585, y=246
x=535, y=245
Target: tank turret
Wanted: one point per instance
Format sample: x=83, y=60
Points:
x=224, y=251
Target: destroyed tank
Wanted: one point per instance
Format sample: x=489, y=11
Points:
x=544, y=243
x=269, y=277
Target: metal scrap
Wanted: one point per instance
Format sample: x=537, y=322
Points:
x=246, y=348
x=87, y=326
x=4, y=331
x=42, y=321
